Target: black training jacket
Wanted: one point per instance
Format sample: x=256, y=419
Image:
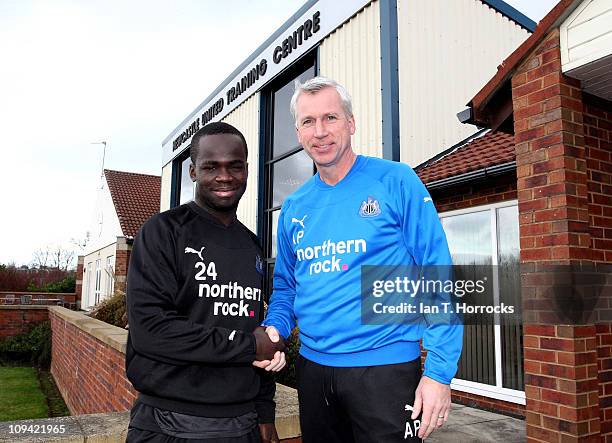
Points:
x=194, y=295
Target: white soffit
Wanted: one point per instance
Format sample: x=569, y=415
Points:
x=586, y=46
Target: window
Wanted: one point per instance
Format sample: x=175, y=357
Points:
x=110, y=276
x=98, y=282
x=182, y=185
x=492, y=360
x=286, y=164
x=88, y=287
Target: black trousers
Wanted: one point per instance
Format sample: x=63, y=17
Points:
x=357, y=404
x=141, y=436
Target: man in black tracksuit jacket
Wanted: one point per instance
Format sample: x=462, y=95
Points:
x=195, y=302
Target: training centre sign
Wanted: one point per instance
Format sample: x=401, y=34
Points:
x=263, y=66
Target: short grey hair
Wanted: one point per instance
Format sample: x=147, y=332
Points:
x=313, y=86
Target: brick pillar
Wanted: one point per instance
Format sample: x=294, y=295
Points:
x=79, y=281
x=122, y=261
x=561, y=383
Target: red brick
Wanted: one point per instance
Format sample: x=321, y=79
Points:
x=530, y=134
x=528, y=255
x=546, y=141
x=543, y=94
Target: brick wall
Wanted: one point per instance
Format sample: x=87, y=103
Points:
x=563, y=172
x=488, y=404
x=597, y=118
x=88, y=365
x=38, y=297
x=89, y=373
x=502, y=188
x=122, y=261
x=79, y=281
x=15, y=320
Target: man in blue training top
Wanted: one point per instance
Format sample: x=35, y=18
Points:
x=357, y=382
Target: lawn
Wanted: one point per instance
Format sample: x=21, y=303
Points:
x=20, y=394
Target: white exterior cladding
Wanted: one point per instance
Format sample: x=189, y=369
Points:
x=350, y=56
x=166, y=186
x=586, y=46
x=447, y=50
x=246, y=118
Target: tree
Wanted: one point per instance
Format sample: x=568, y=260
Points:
x=55, y=257
x=61, y=258
x=40, y=258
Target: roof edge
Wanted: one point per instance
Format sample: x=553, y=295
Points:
x=505, y=70
x=479, y=133
x=512, y=13
x=132, y=173
x=243, y=65
x=471, y=176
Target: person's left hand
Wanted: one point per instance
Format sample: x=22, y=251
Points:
x=268, y=433
x=434, y=399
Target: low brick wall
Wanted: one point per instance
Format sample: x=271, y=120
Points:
x=88, y=364
x=488, y=403
x=19, y=319
x=38, y=298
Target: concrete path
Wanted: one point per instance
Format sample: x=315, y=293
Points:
x=464, y=425
x=473, y=425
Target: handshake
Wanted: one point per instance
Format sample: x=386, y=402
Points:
x=270, y=347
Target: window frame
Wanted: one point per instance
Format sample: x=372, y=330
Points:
x=98, y=281
x=177, y=169
x=498, y=391
x=109, y=269
x=309, y=60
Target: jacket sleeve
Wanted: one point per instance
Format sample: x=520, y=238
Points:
x=157, y=329
x=280, y=312
x=264, y=401
x=425, y=239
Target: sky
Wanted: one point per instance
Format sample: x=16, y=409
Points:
x=75, y=72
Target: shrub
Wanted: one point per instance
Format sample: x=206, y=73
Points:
x=33, y=347
x=66, y=285
x=112, y=310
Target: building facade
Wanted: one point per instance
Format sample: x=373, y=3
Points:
x=125, y=201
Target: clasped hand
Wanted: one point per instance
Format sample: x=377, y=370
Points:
x=270, y=347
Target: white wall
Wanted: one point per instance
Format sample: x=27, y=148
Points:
x=246, y=119
x=447, y=51
x=89, y=262
x=104, y=226
x=351, y=56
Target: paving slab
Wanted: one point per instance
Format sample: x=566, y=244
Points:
x=472, y=425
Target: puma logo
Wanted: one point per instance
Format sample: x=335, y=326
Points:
x=189, y=250
x=301, y=222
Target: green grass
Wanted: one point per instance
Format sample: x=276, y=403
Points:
x=20, y=394
x=55, y=402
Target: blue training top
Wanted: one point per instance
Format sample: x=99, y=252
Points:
x=379, y=214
